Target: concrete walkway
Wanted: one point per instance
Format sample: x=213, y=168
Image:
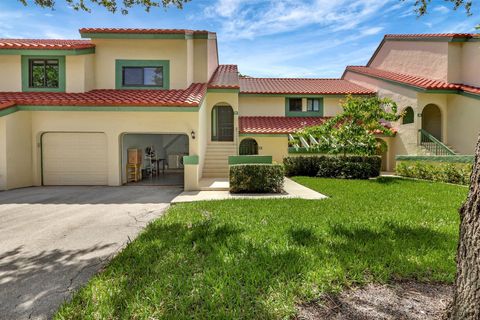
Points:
x=53, y=239
x=291, y=188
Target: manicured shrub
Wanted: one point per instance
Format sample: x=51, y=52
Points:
x=458, y=173
x=350, y=167
x=256, y=178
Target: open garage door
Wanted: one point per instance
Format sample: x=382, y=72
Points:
x=70, y=158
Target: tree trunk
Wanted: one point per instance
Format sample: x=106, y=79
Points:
x=466, y=299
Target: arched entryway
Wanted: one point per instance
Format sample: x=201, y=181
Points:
x=248, y=147
x=432, y=120
x=222, y=123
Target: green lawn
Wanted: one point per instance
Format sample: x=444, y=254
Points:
x=258, y=258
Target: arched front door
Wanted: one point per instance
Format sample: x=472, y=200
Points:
x=248, y=147
x=222, y=123
x=432, y=120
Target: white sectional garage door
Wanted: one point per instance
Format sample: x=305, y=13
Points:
x=74, y=158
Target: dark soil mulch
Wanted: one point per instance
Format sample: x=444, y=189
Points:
x=401, y=300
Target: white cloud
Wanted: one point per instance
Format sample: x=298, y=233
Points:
x=371, y=31
x=441, y=9
x=246, y=19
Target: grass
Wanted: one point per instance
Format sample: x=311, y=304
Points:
x=259, y=258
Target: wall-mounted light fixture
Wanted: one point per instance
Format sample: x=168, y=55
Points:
x=192, y=134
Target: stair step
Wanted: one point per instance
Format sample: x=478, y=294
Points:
x=215, y=169
x=215, y=163
x=215, y=175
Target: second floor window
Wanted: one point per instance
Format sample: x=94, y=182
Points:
x=142, y=76
x=43, y=73
x=295, y=104
x=313, y=105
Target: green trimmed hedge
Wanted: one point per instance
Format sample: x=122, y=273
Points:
x=250, y=159
x=449, y=159
x=349, y=167
x=458, y=173
x=256, y=178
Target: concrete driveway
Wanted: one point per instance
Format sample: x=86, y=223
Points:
x=53, y=239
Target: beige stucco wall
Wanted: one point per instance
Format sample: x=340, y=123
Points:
x=200, y=61
x=463, y=124
x=455, y=50
x=202, y=134
x=110, y=50
x=212, y=57
x=190, y=61
x=331, y=106
x=79, y=73
x=89, y=72
x=254, y=105
x=471, y=63
x=3, y=155
x=11, y=79
x=113, y=124
x=17, y=162
x=275, y=146
x=420, y=58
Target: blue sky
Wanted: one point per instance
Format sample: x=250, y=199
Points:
x=266, y=38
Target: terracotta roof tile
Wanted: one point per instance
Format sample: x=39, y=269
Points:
x=277, y=125
x=141, y=31
x=190, y=97
x=300, y=86
x=225, y=77
x=45, y=44
x=469, y=89
x=430, y=35
x=6, y=105
x=283, y=125
x=415, y=81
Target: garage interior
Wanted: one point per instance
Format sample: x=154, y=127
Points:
x=153, y=159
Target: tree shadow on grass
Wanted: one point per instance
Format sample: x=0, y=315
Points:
x=395, y=250
x=207, y=270
x=213, y=269
x=386, y=180
x=304, y=236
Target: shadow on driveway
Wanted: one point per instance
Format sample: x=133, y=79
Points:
x=53, y=239
x=90, y=195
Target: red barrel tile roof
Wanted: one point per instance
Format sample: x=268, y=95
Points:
x=300, y=86
x=415, y=81
x=430, y=35
x=141, y=31
x=45, y=44
x=225, y=77
x=283, y=125
x=190, y=97
x=277, y=125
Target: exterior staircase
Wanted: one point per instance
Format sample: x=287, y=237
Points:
x=432, y=146
x=216, y=159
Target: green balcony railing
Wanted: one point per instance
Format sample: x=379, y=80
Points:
x=433, y=145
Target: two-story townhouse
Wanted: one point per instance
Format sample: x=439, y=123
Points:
x=435, y=80
x=71, y=109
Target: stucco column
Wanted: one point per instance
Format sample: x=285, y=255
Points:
x=114, y=159
x=236, y=131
